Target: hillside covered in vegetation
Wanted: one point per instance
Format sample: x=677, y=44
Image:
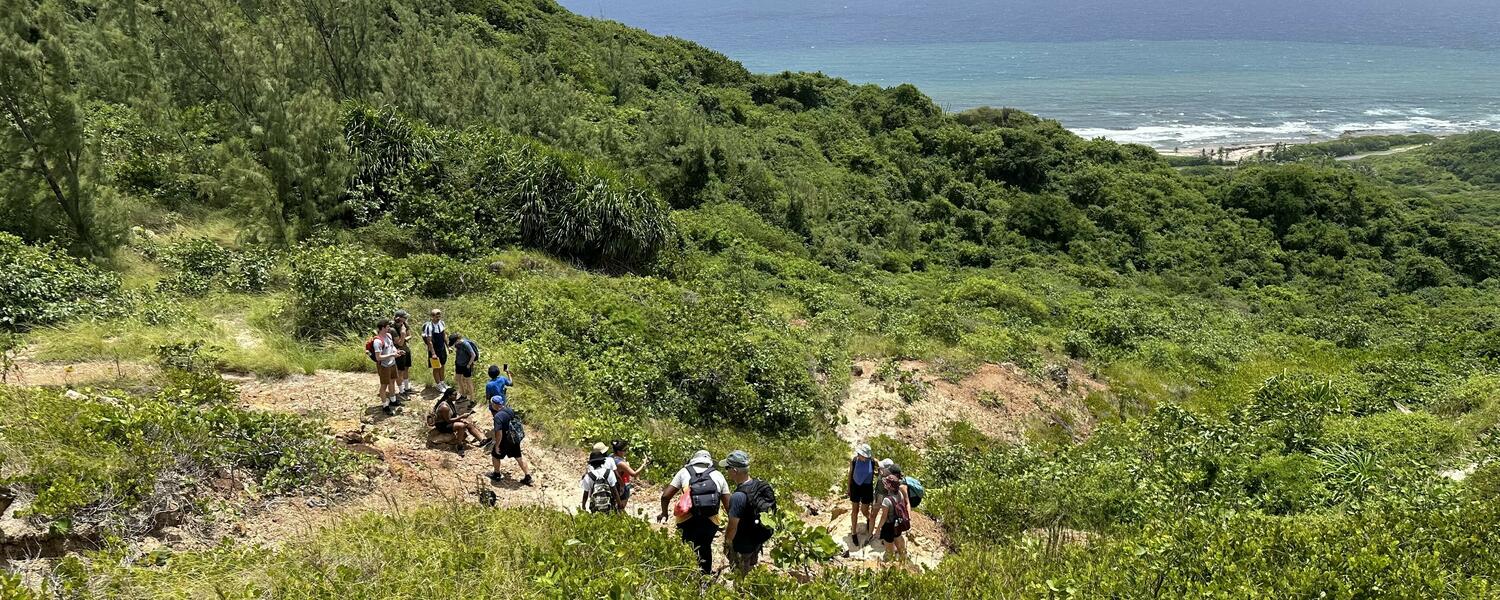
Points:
x=1297, y=362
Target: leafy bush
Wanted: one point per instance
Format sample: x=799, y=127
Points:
x=442, y=277
x=341, y=289
x=990, y=293
x=201, y=264
x=644, y=347
x=114, y=461
x=1418, y=438
x=43, y=285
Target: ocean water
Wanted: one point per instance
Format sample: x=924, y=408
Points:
x=1167, y=73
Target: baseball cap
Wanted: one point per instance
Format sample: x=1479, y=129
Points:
x=739, y=459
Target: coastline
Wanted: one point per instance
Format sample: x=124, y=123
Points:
x=1235, y=152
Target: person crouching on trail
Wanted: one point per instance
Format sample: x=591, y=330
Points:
x=435, y=335
x=508, y=434
x=445, y=419
x=751, y=502
x=861, y=493
x=600, y=484
x=704, y=494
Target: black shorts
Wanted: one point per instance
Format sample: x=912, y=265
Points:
x=466, y=371
x=403, y=362
x=444, y=427
x=888, y=532
x=862, y=494
x=505, y=449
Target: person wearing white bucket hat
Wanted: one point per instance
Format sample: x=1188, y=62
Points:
x=861, y=492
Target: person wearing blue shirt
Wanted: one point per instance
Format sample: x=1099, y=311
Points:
x=498, y=383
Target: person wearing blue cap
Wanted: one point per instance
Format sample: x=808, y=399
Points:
x=508, y=432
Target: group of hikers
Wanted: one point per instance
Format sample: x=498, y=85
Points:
x=699, y=496
x=389, y=348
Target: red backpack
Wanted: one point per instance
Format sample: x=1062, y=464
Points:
x=903, y=512
x=370, y=350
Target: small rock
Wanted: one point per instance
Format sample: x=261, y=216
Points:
x=858, y=371
x=173, y=535
x=316, y=502
x=496, y=267
x=74, y=395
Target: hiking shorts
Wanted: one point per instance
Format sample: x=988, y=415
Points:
x=387, y=374
x=505, y=449
x=888, y=532
x=441, y=352
x=403, y=362
x=463, y=370
x=862, y=494
x=444, y=427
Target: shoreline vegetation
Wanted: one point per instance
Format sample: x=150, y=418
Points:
x=1350, y=146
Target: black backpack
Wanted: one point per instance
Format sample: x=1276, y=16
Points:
x=760, y=500
x=705, y=493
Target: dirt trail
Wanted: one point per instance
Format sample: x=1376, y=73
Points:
x=413, y=472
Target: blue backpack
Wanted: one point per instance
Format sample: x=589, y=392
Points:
x=914, y=486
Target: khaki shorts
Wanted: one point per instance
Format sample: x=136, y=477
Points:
x=387, y=374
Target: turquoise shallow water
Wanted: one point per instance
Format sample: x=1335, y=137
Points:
x=1251, y=72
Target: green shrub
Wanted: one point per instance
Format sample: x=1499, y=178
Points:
x=341, y=289
x=442, y=277
x=1288, y=484
x=103, y=461
x=1417, y=438
x=43, y=285
x=199, y=265
x=1288, y=410
x=991, y=293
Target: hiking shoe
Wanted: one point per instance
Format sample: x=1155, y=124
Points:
x=495, y=477
x=486, y=443
x=526, y=481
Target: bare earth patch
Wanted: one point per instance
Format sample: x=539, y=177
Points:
x=1000, y=401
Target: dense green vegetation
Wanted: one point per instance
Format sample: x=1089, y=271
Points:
x=676, y=251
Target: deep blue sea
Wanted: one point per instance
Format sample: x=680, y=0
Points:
x=1168, y=73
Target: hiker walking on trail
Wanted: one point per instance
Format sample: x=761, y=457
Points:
x=465, y=355
x=704, y=493
x=400, y=335
x=600, y=485
x=446, y=419
x=861, y=493
x=895, y=519
x=751, y=501
x=625, y=472
x=435, y=335
x=384, y=353
x=499, y=384
x=508, y=433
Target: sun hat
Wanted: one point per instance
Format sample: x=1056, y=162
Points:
x=862, y=450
